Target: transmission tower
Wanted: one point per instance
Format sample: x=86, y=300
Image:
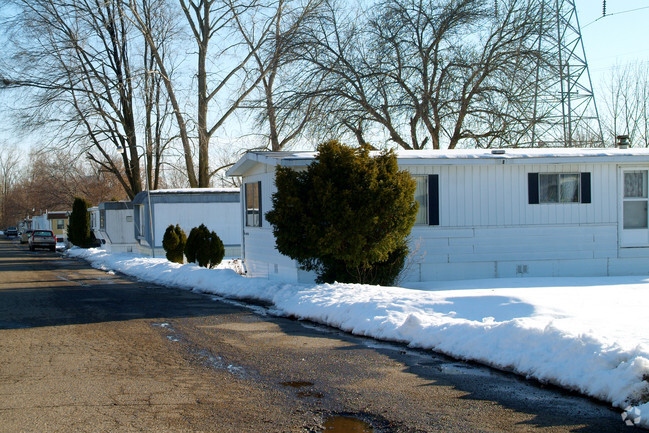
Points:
x=564, y=113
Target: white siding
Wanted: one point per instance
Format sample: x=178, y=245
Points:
x=491, y=252
x=222, y=218
x=488, y=229
x=496, y=195
x=263, y=260
x=119, y=226
x=260, y=256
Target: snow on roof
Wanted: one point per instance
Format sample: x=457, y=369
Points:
x=194, y=190
x=564, y=152
x=460, y=156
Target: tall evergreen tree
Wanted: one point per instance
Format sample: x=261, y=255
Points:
x=79, y=226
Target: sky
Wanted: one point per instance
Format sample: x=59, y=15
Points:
x=620, y=37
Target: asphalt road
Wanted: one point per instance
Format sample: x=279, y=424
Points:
x=83, y=350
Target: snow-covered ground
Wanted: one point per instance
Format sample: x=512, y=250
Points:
x=585, y=334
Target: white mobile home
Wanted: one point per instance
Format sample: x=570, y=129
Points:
x=217, y=208
x=491, y=214
x=114, y=227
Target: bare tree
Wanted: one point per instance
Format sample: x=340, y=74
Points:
x=626, y=104
x=277, y=61
x=9, y=172
x=424, y=73
x=226, y=34
x=51, y=180
x=158, y=132
x=78, y=59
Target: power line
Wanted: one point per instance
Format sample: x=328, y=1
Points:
x=605, y=15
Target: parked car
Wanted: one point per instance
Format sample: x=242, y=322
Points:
x=42, y=239
x=61, y=243
x=24, y=237
x=11, y=232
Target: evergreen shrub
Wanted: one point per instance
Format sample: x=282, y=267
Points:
x=79, y=225
x=204, y=247
x=347, y=216
x=173, y=242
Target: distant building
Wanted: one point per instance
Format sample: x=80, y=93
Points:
x=217, y=208
x=111, y=223
x=58, y=222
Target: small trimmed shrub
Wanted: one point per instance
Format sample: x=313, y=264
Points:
x=204, y=247
x=173, y=242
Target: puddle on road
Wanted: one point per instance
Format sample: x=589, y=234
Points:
x=310, y=393
x=345, y=424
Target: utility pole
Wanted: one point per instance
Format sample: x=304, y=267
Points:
x=563, y=112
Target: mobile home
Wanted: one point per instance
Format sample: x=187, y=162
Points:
x=114, y=226
x=490, y=214
x=217, y=208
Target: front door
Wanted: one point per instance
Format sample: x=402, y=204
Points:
x=635, y=219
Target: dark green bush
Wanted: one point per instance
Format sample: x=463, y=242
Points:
x=382, y=273
x=79, y=225
x=347, y=216
x=204, y=247
x=173, y=242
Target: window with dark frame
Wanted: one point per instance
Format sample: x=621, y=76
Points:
x=253, y=204
x=556, y=188
x=427, y=195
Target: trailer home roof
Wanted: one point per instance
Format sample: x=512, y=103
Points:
x=461, y=156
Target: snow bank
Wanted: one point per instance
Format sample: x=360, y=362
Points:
x=588, y=335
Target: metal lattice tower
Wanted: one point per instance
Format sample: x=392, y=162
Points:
x=564, y=112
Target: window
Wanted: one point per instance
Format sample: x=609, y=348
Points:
x=635, y=200
x=421, y=196
x=635, y=184
x=60, y=224
x=253, y=204
x=427, y=195
x=548, y=188
x=559, y=188
x=139, y=209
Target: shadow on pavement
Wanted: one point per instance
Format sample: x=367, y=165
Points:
x=54, y=291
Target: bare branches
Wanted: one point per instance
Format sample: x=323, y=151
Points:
x=420, y=72
x=627, y=105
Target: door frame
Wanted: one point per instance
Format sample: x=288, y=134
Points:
x=630, y=238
